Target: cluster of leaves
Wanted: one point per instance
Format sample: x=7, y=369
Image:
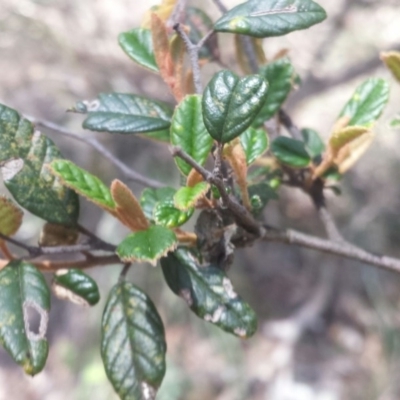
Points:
x=229, y=116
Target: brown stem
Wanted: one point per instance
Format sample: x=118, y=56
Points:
x=89, y=262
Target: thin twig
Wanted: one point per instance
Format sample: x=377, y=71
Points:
x=122, y=275
x=220, y=6
x=249, y=52
x=128, y=172
x=193, y=52
x=89, y=262
x=36, y=251
x=177, y=14
x=331, y=229
x=343, y=249
x=287, y=122
x=32, y=250
x=242, y=216
x=95, y=240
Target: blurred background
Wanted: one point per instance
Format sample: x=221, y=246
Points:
x=329, y=328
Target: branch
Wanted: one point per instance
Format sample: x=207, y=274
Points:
x=343, y=249
x=37, y=251
x=177, y=13
x=220, y=6
x=128, y=172
x=89, y=262
x=193, y=52
x=242, y=216
x=287, y=122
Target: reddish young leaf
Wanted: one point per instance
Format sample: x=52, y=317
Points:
x=128, y=209
x=164, y=57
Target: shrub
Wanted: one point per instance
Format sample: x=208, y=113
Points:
x=227, y=122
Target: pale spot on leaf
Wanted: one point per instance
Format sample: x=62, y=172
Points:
x=11, y=168
x=28, y=307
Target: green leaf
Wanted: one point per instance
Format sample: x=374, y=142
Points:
x=23, y=154
x=148, y=245
x=10, y=217
x=395, y=122
x=76, y=286
x=291, y=152
x=132, y=343
x=260, y=194
x=189, y=133
x=392, y=61
x=125, y=113
x=270, y=17
x=83, y=183
x=254, y=143
x=187, y=197
x=150, y=197
x=138, y=45
x=367, y=103
x=313, y=142
x=24, y=294
x=209, y=293
x=165, y=213
x=230, y=104
x=280, y=76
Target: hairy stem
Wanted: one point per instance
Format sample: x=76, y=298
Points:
x=193, y=52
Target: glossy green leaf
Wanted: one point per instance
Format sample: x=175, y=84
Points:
x=24, y=153
x=260, y=194
x=209, y=293
x=132, y=343
x=76, y=286
x=83, y=183
x=148, y=245
x=367, y=103
x=187, y=197
x=125, y=113
x=291, y=152
x=254, y=143
x=280, y=76
x=270, y=17
x=189, y=133
x=313, y=142
x=165, y=213
x=230, y=104
x=150, y=197
x=138, y=45
x=23, y=295
x=200, y=24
